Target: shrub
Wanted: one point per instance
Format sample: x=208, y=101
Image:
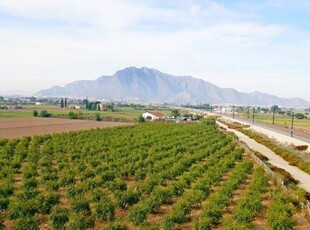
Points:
x=98, y=117
x=80, y=205
x=44, y=113
x=26, y=195
x=48, y=200
x=127, y=198
x=59, y=217
x=72, y=115
x=30, y=183
x=208, y=121
x=35, y=113
x=104, y=210
x=108, y=175
x=22, y=209
x=203, y=224
x=4, y=203
x=6, y=190
x=29, y=223
x=280, y=213
x=141, y=119
x=139, y=213
x=116, y=226
x=79, y=221
x=168, y=223
x=117, y=185
x=299, y=116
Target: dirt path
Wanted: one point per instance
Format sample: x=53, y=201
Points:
x=274, y=159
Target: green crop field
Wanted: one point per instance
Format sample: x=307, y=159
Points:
x=147, y=176
x=279, y=119
x=122, y=113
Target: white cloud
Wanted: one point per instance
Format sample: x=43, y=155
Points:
x=107, y=13
x=213, y=43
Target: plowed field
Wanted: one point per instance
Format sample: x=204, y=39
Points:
x=19, y=127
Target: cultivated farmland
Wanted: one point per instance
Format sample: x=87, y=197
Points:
x=20, y=127
x=147, y=176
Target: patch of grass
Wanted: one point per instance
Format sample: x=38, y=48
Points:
x=279, y=119
x=122, y=113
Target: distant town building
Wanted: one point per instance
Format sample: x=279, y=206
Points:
x=74, y=106
x=101, y=106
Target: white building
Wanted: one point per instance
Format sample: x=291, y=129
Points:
x=153, y=115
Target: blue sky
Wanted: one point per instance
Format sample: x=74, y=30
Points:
x=246, y=45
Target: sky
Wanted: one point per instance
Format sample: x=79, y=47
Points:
x=258, y=45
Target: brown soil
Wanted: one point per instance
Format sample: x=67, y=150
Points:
x=63, y=201
x=155, y=218
x=18, y=180
x=301, y=222
x=121, y=213
x=19, y=127
x=260, y=221
x=100, y=225
x=196, y=211
x=43, y=220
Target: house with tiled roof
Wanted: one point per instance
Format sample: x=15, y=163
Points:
x=153, y=115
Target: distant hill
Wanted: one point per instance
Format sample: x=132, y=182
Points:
x=151, y=85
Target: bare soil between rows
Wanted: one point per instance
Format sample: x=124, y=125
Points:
x=11, y=128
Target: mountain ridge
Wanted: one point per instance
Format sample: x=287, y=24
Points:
x=152, y=86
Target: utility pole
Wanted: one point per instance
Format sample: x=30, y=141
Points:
x=253, y=115
x=273, y=116
x=292, y=124
x=233, y=112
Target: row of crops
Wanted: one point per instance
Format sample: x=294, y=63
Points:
x=119, y=178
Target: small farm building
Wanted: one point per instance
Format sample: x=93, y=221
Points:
x=153, y=115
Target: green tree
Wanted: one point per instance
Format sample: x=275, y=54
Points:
x=44, y=113
x=62, y=103
x=299, y=116
x=65, y=103
x=110, y=107
x=59, y=217
x=274, y=108
x=1, y=98
x=35, y=113
x=141, y=119
x=72, y=115
x=175, y=113
x=98, y=117
x=85, y=102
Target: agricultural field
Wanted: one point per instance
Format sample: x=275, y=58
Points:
x=120, y=114
x=19, y=127
x=153, y=175
x=280, y=120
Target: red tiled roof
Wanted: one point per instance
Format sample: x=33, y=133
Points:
x=157, y=114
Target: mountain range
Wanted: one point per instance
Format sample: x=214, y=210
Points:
x=152, y=86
